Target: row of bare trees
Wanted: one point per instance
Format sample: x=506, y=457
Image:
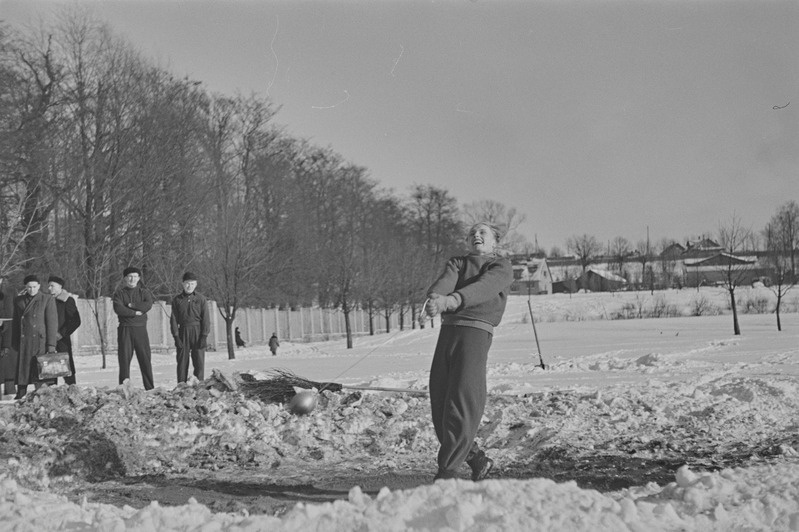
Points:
x=777, y=246
x=107, y=160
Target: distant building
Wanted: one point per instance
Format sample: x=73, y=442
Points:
x=712, y=270
x=531, y=276
x=672, y=252
x=597, y=280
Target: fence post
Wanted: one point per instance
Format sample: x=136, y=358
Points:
x=166, y=332
x=213, y=314
x=302, y=324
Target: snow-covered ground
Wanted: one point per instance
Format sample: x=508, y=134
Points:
x=633, y=392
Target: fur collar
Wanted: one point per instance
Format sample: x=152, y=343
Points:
x=64, y=295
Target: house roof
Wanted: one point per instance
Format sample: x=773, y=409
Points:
x=606, y=275
x=719, y=259
x=703, y=243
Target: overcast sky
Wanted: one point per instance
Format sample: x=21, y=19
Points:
x=600, y=117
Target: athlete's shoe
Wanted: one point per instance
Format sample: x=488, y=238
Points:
x=481, y=466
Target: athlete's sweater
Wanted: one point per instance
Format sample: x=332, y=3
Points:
x=481, y=284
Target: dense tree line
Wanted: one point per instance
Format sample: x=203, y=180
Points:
x=107, y=160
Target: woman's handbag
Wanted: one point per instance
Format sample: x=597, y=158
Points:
x=53, y=365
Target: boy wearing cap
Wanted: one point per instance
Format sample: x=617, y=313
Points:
x=33, y=332
x=190, y=325
x=131, y=304
x=68, y=320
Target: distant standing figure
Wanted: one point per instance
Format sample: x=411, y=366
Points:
x=274, y=344
x=190, y=325
x=8, y=356
x=470, y=294
x=68, y=320
x=131, y=304
x=34, y=333
x=239, y=340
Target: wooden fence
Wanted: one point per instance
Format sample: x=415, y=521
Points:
x=255, y=324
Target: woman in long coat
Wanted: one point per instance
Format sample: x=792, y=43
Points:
x=34, y=331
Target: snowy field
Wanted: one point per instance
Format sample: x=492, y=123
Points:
x=708, y=422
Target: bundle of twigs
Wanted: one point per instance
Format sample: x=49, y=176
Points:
x=281, y=384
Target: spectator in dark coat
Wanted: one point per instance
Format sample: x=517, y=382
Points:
x=34, y=332
x=68, y=320
x=131, y=304
x=190, y=325
x=274, y=344
x=239, y=339
x=8, y=356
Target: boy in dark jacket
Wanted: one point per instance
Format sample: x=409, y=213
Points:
x=131, y=304
x=470, y=295
x=68, y=320
x=190, y=325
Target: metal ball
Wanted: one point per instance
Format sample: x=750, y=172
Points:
x=303, y=403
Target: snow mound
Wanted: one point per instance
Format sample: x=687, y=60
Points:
x=757, y=498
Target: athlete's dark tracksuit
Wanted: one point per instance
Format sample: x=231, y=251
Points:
x=132, y=333
x=458, y=372
x=190, y=325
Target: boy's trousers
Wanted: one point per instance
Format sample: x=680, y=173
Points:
x=130, y=340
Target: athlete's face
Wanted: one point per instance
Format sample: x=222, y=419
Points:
x=481, y=239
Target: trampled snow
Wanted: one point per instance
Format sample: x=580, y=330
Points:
x=634, y=389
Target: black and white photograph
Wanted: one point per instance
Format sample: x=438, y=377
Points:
x=424, y=265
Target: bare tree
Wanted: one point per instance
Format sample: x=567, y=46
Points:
x=787, y=219
x=29, y=78
x=619, y=251
x=781, y=242
x=237, y=245
x=233, y=257
x=435, y=229
x=733, y=269
x=585, y=247
x=342, y=247
x=14, y=229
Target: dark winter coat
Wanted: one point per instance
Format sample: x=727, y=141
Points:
x=34, y=331
x=68, y=320
x=190, y=309
x=273, y=344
